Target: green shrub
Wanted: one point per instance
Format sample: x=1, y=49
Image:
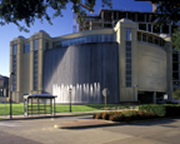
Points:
x=127, y=115
x=106, y=115
x=159, y=110
x=97, y=116
x=176, y=94
x=94, y=116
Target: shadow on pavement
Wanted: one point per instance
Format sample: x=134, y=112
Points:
x=154, y=122
x=90, y=117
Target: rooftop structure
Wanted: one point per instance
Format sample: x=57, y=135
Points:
x=108, y=18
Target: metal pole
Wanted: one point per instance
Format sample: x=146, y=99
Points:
x=10, y=96
x=54, y=107
x=10, y=100
x=70, y=90
x=5, y=103
x=51, y=106
x=38, y=105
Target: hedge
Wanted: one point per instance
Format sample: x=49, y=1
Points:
x=148, y=111
x=162, y=110
x=127, y=115
x=155, y=108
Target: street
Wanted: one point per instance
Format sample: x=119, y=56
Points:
x=42, y=131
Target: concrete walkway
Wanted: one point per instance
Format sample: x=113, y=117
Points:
x=23, y=117
x=69, y=125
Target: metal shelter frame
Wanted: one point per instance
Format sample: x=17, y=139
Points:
x=38, y=107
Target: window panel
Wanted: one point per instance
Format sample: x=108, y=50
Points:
x=14, y=49
x=26, y=47
x=36, y=44
x=128, y=47
x=128, y=34
x=87, y=39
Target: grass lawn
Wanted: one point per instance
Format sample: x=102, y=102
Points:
x=18, y=109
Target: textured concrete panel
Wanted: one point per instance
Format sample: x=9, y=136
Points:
x=86, y=68
x=151, y=68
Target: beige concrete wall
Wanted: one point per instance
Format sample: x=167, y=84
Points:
x=151, y=68
x=127, y=94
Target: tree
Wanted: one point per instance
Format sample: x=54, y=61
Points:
x=168, y=12
x=176, y=94
x=175, y=38
x=16, y=11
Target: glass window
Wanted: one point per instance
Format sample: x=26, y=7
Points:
x=57, y=44
x=36, y=44
x=47, y=45
x=150, y=39
x=156, y=40
x=128, y=55
x=35, y=70
x=14, y=49
x=128, y=46
x=128, y=78
x=139, y=36
x=87, y=39
x=128, y=83
x=128, y=34
x=162, y=43
x=26, y=47
x=144, y=37
x=128, y=66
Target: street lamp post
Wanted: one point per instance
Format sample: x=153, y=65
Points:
x=10, y=95
x=70, y=91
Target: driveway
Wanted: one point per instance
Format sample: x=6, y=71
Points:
x=38, y=131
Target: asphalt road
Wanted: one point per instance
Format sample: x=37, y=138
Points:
x=43, y=131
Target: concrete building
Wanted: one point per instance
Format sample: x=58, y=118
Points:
x=4, y=86
x=108, y=18
x=135, y=65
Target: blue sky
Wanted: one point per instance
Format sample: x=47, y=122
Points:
x=61, y=26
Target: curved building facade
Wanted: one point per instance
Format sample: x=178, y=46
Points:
x=134, y=65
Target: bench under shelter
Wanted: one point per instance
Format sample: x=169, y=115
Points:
x=36, y=104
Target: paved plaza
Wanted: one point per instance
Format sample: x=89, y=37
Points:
x=36, y=131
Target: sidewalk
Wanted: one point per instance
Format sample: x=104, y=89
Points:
x=22, y=117
x=70, y=125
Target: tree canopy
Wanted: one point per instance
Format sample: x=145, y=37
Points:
x=168, y=11
x=16, y=11
x=27, y=11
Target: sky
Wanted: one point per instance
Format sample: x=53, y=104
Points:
x=61, y=26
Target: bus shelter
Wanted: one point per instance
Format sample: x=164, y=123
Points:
x=39, y=104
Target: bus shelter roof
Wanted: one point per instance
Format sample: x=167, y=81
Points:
x=41, y=96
